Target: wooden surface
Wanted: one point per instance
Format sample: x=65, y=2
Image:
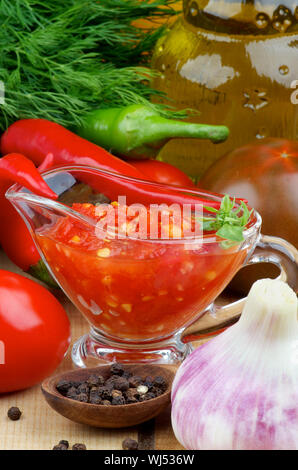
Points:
x=40, y=427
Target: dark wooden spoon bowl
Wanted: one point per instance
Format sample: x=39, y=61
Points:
x=114, y=416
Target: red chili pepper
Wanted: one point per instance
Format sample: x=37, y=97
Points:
x=39, y=138
x=47, y=144
x=163, y=172
x=36, y=138
x=15, y=168
x=50, y=145
x=14, y=236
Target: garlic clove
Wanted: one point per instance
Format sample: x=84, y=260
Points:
x=240, y=389
x=273, y=304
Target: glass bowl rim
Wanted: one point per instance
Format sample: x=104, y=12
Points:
x=15, y=192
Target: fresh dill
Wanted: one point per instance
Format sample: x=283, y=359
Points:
x=59, y=60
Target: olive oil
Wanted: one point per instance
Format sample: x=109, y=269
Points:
x=235, y=63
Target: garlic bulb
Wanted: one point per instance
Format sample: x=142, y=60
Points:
x=239, y=391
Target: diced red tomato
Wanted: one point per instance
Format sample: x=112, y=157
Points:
x=133, y=289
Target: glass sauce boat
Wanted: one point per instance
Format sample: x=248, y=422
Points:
x=144, y=299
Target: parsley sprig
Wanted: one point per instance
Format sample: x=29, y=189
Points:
x=229, y=221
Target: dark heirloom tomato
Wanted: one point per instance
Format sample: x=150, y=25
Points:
x=34, y=332
x=266, y=174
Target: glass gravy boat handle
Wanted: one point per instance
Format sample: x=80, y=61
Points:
x=268, y=250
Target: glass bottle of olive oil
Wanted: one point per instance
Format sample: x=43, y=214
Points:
x=236, y=62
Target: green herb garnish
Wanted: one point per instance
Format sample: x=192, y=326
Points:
x=229, y=220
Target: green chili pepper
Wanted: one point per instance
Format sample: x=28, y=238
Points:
x=137, y=131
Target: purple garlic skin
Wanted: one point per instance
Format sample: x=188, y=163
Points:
x=239, y=391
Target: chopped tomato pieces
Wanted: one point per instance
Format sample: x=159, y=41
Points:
x=136, y=289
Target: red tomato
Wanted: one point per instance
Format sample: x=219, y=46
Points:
x=162, y=172
x=34, y=332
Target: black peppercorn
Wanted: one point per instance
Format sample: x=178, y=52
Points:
x=135, y=381
x=83, y=388
x=111, y=381
x=148, y=381
x=83, y=397
x=130, y=444
x=95, y=380
x=106, y=402
x=118, y=401
x=72, y=393
x=63, y=386
x=160, y=382
x=76, y=383
x=14, y=413
x=104, y=392
x=64, y=443
x=156, y=391
x=94, y=397
x=127, y=374
x=60, y=447
x=147, y=396
x=79, y=447
x=130, y=400
x=118, y=389
x=116, y=393
x=95, y=401
x=132, y=394
x=117, y=369
x=121, y=384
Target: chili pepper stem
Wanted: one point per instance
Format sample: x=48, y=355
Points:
x=161, y=128
x=137, y=131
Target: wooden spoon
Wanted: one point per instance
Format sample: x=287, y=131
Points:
x=114, y=416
